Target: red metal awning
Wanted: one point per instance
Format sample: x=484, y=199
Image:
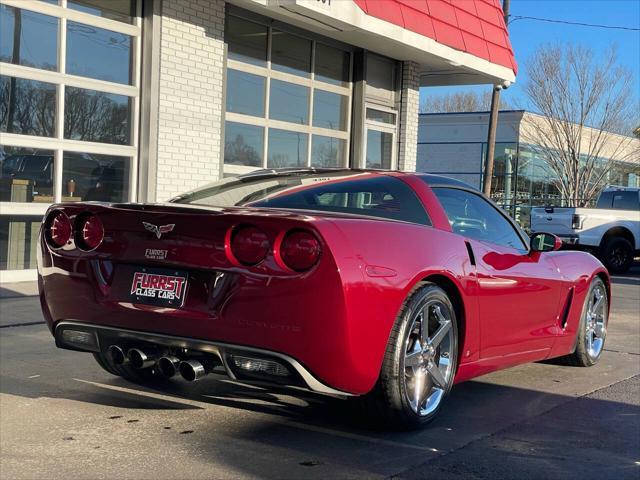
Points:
x=473, y=26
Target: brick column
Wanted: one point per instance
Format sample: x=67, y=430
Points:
x=191, y=103
x=409, y=108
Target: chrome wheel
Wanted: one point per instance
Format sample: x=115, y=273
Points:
x=596, y=322
x=428, y=357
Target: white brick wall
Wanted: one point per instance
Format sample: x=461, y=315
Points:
x=190, y=95
x=410, y=104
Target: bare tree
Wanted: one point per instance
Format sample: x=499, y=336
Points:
x=581, y=100
x=459, y=102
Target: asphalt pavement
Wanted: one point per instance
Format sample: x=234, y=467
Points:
x=61, y=416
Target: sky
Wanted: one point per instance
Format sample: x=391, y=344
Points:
x=528, y=35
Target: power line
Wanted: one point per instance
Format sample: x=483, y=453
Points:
x=550, y=20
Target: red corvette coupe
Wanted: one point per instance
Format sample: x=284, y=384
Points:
x=386, y=285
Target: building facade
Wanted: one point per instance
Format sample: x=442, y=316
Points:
x=454, y=144
x=140, y=100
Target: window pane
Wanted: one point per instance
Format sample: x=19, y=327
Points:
x=96, y=116
x=329, y=110
x=87, y=177
x=369, y=195
x=287, y=149
x=247, y=41
x=38, y=38
x=626, y=200
x=289, y=102
x=243, y=144
x=27, y=107
x=474, y=217
x=327, y=151
x=245, y=93
x=27, y=175
x=120, y=10
x=290, y=53
x=379, y=149
x=380, y=116
x=98, y=53
x=332, y=65
x=18, y=241
x=381, y=78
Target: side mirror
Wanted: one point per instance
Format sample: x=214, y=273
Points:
x=544, y=242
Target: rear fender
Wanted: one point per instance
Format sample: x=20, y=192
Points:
x=578, y=269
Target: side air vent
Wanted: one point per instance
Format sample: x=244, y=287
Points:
x=472, y=257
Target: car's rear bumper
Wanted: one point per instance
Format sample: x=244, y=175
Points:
x=101, y=337
x=570, y=239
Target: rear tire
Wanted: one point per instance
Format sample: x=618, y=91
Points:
x=592, y=330
x=617, y=254
x=141, y=376
x=419, y=365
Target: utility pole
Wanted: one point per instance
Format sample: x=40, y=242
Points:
x=493, y=122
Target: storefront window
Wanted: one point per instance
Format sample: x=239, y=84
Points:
x=243, y=144
x=287, y=149
x=247, y=41
x=379, y=149
x=332, y=65
x=27, y=106
x=290, y=53
x=96, y=116
x=330, y=110
x=85, y=147
x=289, y=103
x=381, y=116
x=87, y=177
x=18, y=241
x=37, y=38
x=27, y=175
x=119, y=10
x=98, y=53
x=327, y=151
x=245, y=93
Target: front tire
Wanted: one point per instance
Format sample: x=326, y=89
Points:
x=420, y=361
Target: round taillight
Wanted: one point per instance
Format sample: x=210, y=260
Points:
x=59, y=229
x=90, y=232
x=249, y=245
x=300, y=250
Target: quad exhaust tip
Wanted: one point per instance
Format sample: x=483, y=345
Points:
x=192, y=370
x=140, y=359
x=117, y=355
x=168, y=366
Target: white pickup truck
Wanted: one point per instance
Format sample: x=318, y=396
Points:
x=611, y=230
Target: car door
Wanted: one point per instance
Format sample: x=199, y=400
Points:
x=518, y=292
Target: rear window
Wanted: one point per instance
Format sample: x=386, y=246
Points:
x=619, y=200
x=605, y=200
x=365, y=194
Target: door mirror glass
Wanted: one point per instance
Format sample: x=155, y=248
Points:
x=545, y=242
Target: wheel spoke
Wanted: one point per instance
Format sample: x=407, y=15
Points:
x=441, y=333
x=413, y=359
x=418, y=394
x=597, y=304
x=436, y=375
x=599, y=330
x=589, y=340
x=424, y=326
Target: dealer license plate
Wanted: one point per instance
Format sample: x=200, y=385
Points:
x=159, y=287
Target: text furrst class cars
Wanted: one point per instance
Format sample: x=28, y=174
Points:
x=388, y=286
